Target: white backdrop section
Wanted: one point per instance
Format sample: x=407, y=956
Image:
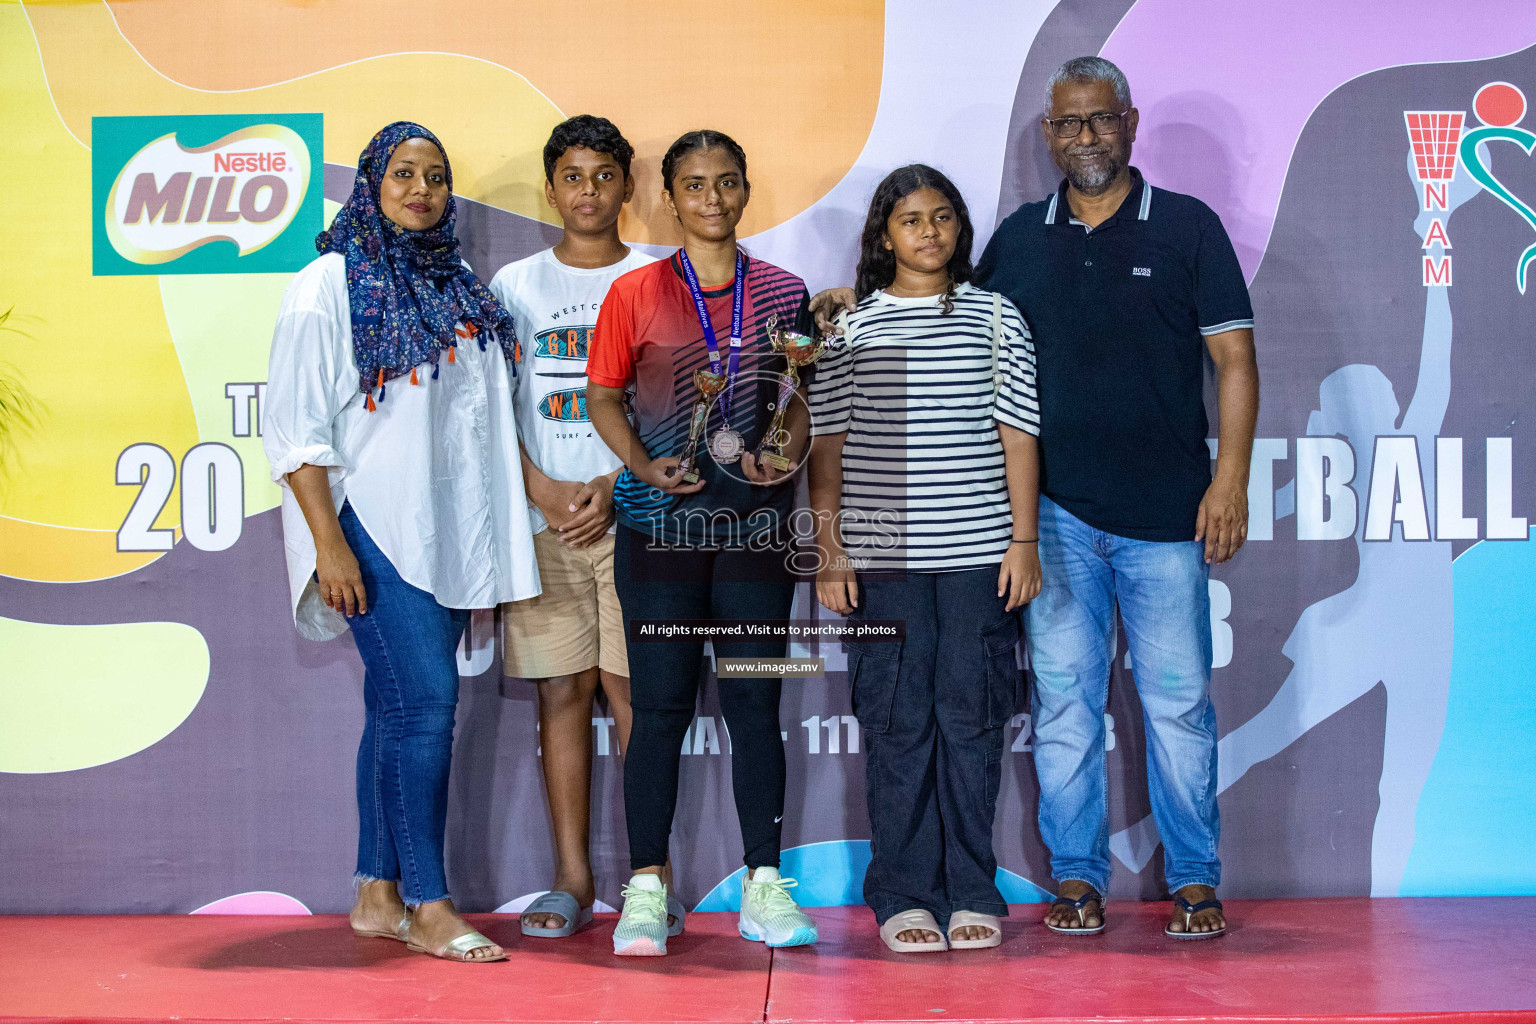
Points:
x=946, y=97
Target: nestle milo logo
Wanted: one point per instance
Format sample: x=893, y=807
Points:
x=206, y=195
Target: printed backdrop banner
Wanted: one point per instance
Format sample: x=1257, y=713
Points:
x=169, y=744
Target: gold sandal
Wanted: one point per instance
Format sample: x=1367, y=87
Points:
x=401, y=933
x=459, y=949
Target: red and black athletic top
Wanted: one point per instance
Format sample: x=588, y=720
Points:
x=648, y=339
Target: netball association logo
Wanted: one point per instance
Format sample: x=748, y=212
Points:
x=1440, y=140
x=205, y=195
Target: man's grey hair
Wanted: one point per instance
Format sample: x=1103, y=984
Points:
x=1080, y=70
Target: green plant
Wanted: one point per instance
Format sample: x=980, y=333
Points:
x=18, y=409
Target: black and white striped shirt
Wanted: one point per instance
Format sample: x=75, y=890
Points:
x=912, y=386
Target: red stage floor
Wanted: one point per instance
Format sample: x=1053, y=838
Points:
x=1339, y=960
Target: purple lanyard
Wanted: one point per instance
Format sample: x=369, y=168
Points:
x=738, y=293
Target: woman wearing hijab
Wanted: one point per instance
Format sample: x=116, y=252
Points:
x=388, y=423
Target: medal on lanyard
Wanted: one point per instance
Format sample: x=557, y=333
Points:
x=725, y=444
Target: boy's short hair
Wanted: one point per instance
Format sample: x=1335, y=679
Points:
x=595, y=133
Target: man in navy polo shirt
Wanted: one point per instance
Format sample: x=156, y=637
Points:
x=1124, y=286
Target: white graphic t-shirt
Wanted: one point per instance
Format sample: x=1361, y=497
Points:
x=555, y=308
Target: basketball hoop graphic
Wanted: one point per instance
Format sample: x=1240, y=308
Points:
x=1434, y=136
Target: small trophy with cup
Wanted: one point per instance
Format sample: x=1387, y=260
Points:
x=799, y=351
x=709, y=385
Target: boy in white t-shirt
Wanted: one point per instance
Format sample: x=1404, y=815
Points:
x=570, y=639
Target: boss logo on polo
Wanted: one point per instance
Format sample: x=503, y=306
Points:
x=205, y=195
x=1141, y=271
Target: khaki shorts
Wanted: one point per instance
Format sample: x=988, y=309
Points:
x=575, y=623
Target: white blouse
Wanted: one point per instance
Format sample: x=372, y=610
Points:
x=434, y=474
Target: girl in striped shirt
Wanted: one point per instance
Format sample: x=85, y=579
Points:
x=924, y=478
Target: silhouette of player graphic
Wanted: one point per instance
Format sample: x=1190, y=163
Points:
x=1391, y=626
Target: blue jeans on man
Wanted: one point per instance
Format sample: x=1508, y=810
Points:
x=1162, y=592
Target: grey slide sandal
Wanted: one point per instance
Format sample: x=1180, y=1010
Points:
x=676, y=910
x=562, y=903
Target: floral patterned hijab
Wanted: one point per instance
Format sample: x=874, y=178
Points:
x=409, y=290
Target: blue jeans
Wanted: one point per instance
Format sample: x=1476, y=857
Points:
x=1165, y=605
x=933, y=709
x=409, y=646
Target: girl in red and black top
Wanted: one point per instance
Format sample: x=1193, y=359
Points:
x=717, y=548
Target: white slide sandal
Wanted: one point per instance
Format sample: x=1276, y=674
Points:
x=908, y=921
x=971, y=919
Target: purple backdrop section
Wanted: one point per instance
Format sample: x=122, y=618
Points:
x=1223, y=99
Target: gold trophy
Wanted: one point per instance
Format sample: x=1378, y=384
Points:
x=799, y=351
x=709, y=385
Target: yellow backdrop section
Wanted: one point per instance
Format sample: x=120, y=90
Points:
x=66, y=554
x=74, y=697
x=98, y=359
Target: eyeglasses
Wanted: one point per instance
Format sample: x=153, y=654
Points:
x=1071, y=127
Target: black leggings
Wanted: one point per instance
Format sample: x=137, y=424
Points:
x=664, y=687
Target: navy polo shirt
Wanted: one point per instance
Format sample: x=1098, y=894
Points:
x=1119, y=315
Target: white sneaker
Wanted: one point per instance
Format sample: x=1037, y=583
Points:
x=642, y=928
x=769, y=914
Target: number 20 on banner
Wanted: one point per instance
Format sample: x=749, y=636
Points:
x=212, y=496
